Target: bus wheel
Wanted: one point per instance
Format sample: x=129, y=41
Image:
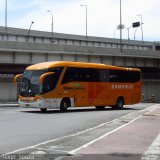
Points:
x=65, y=103
x=100, y=107
x=120, y=103
x=43, y=109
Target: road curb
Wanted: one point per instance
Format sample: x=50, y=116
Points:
x=9, y=105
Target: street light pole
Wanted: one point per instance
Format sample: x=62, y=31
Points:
x=120, y=28
x=86, y=18
x=6, y=16
x=51, y=24
x=135, y=33
x=141, y=25
x=29, y=31
x=128, y=32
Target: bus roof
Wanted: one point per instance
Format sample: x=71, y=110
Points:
x=47, y=65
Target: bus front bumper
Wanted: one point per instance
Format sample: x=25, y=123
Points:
x=32, y=104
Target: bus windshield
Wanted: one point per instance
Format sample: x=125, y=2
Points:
x=30, y=85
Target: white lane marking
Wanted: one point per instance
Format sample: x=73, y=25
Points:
x=151, y=108
x=44, y=149
x=153, y=152
x=105, y=135
x=72, y=135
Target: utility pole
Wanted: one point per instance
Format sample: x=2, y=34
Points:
x=86, y=18
x=6, y=16
x=141, y=25
x=120, y=28
x=51, y=24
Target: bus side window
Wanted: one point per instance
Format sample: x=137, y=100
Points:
x=85, y=75
x=49, y=83
x=68, y=76
x=112, y=76
x=124, y=76
x=103, y=75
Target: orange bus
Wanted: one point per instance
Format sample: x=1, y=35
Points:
x=61, y=84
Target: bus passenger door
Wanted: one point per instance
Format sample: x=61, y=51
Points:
x=49, y=85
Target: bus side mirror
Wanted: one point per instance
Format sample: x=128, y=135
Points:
x=42, y=77
x=16, y=77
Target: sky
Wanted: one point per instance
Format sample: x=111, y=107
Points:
x=69, y=17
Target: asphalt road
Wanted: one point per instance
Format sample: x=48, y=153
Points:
x=21, y=128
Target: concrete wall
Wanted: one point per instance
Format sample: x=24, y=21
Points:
x=16, y=47
x=151, y=89
x=8, y=91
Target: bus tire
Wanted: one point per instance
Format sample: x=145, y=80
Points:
x=120, y=103
x=100, y=107
x=65, y=104
x=43, y=109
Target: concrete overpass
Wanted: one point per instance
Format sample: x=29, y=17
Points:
x=20, y=48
